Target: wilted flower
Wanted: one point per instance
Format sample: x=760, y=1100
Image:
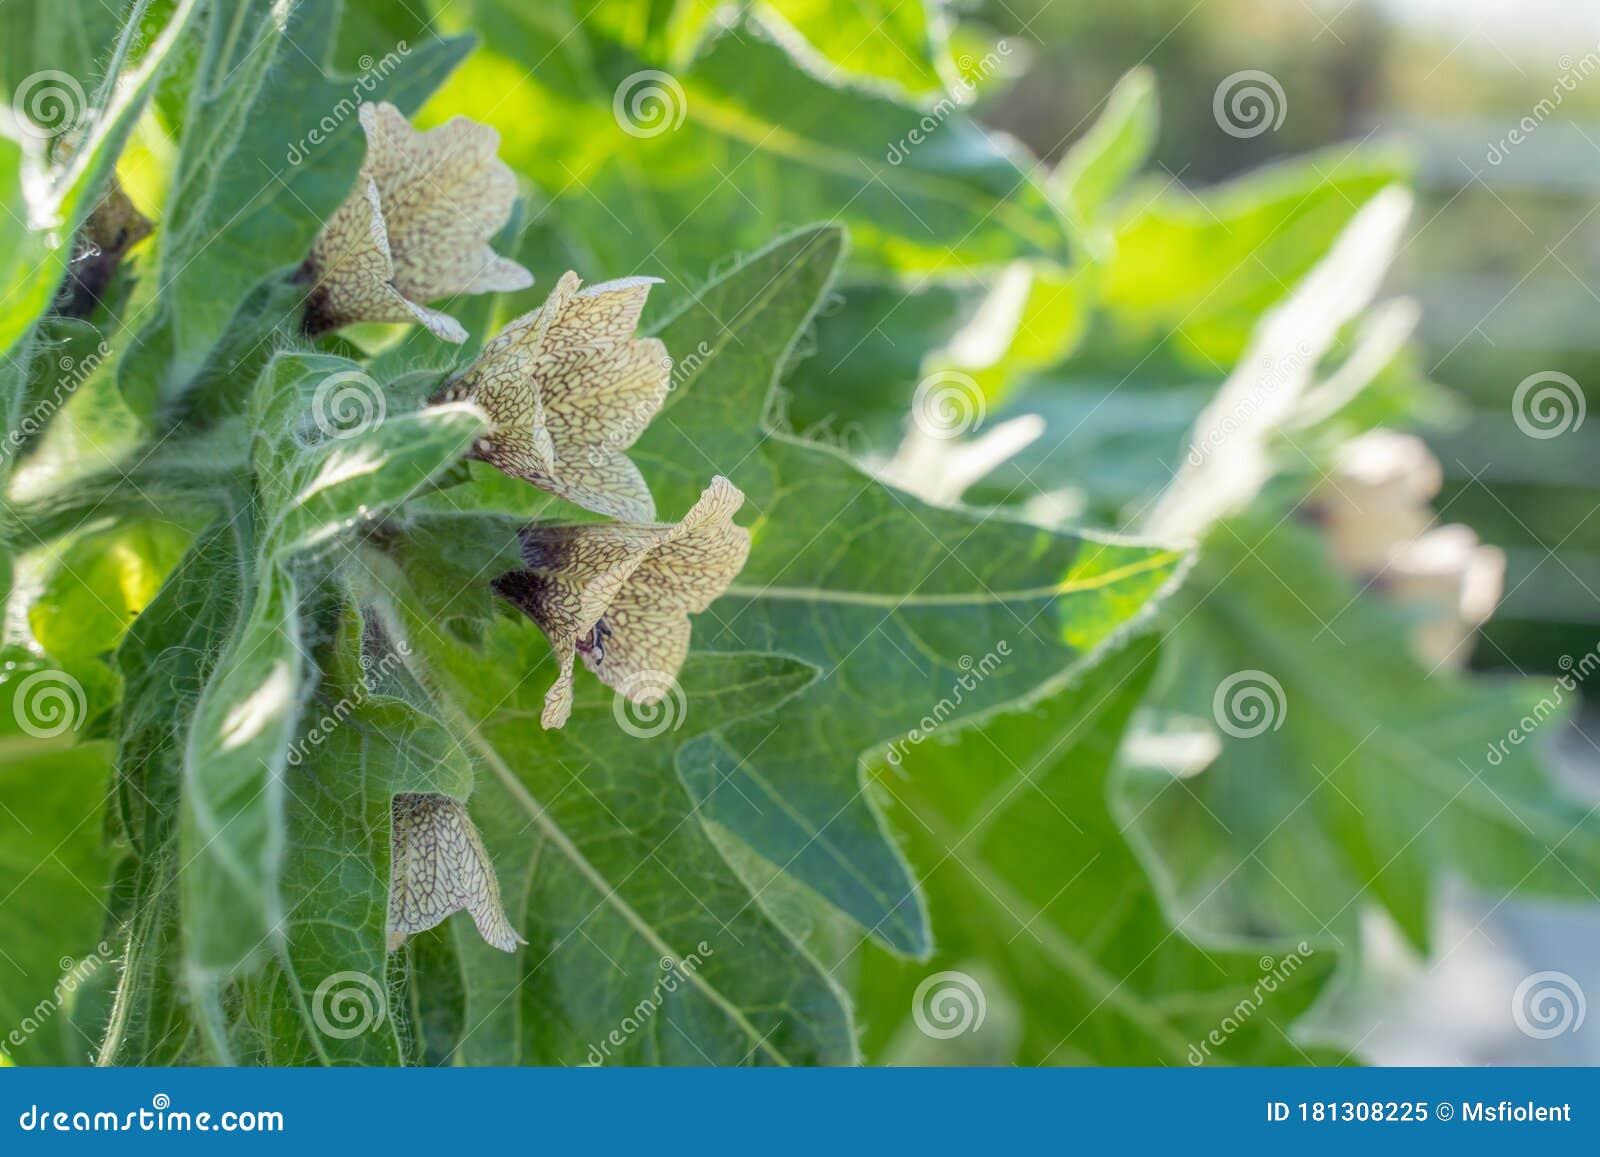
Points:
x=416, y=228
x=114, y=227
x=620, y=594
x=439, y=866
x=567, y=389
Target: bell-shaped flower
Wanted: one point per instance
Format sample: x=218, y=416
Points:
x=620, y=594
x=439, y=866
x=1374, y=510
x=568, y=389
x=416, y=228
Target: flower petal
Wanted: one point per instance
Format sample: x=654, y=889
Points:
x=354, y=266
x=416, y=228
x=568, y=389
x=445, y=194
x=620, y=594
x=698, y=558
x=439, y=866
x=573, y=573
x=642, y=652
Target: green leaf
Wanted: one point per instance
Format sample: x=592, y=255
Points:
x=1109, y=443
x=603, y=863
x=328, y=455
x=232, y=835
x=905, y=43
x=100, y=583
x=1032, y=883
x=885, y=594
x=1098, y=165
x=166, y=658
x=1233, y=448
x=1200, y=271
x=316, y=477
x=54, y=865
x=259, y=171
x=729, y=343
x=858, y=387
x=896, y=601
x=855, y=389
x=1114, y=438
x=43, y=34
x=333, y=970
x=1370, y=778
x=44, y=206
x=793, y=148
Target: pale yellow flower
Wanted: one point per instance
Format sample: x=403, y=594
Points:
x=416, y=228
x=567, y=389
x=620, y=594
x=439, y=866
x=1377, y=497
x=1375, y=511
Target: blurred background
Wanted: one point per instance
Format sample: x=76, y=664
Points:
x=1503, y=255
x=1504, y=247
